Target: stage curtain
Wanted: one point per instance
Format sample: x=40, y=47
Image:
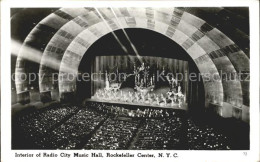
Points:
x=193, y=90
x=125, y=64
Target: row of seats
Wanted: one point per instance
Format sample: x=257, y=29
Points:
x=113, y=134
x=107, y=126
x=139, y=113
x=205, y=138
x=70, y=134
x=37, y=123
x=160, y=134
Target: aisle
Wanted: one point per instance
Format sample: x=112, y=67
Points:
x=135, y=137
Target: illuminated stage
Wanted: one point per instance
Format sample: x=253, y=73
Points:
x=147, y=81
x=184, y=106
x=129, y=96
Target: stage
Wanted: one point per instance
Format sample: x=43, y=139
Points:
x=184, y=106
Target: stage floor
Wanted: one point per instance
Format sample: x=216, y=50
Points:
x=175, y=106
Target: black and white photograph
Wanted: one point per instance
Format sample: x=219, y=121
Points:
x=93, y=78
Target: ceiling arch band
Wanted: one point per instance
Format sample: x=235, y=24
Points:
x=206, y=45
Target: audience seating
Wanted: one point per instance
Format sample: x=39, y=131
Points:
x=107, y=127
x=205, y=138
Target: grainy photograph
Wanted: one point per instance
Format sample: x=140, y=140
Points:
x=130, y=78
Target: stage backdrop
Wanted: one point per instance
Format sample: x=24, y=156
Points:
x=125, y=64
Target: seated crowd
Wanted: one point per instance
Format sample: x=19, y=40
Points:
x=36, y=124
x=160, y=134
x=108, y=126
x=205, y=138
x=113, y=134
x=73, y=131
x=138, y=113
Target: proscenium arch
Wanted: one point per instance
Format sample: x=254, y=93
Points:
x=75, y=51
x=149, y=45
x=45, y=29
x=71, y=28
x=198, y=35
x=236, y=84
x=187, y=44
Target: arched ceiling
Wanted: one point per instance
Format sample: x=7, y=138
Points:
x=65, y=35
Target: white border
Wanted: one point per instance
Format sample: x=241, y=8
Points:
x=252, y=155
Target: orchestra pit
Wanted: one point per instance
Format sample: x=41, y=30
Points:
x=130, y=78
